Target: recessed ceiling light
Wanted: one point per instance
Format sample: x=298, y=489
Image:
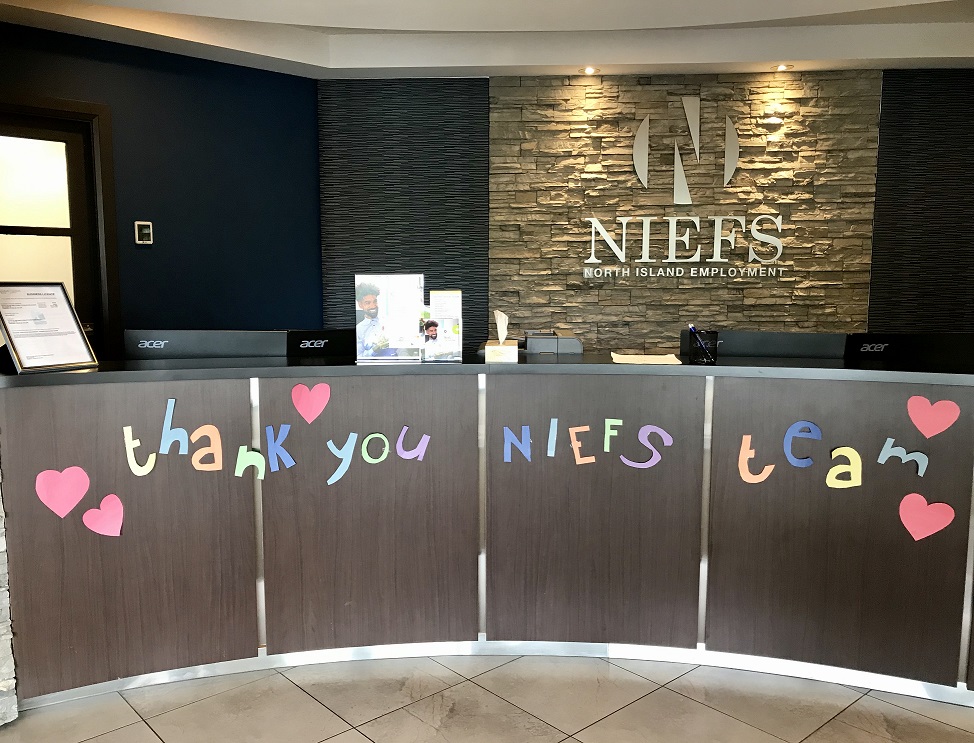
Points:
x=589, y=70
x=783, y=67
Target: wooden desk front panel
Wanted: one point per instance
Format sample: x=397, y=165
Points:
x=600, y=551
x=177, y=588
x=388, y=552
x=808, y=572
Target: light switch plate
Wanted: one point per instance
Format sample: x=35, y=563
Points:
x=143, y=233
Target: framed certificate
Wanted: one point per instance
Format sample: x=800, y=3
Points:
x=41, y=328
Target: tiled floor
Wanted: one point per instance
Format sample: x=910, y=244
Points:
x=496, y=699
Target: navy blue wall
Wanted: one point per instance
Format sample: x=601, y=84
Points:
x=222, y=160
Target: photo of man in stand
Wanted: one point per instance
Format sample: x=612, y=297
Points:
x=370, y=337
x=388, y=305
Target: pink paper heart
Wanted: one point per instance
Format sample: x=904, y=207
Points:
x=922, y=519
x=62, y=491
x=932, y=418
x=310, y=403
x=107, y=519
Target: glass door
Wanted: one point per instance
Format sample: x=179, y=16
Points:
x=47, y=212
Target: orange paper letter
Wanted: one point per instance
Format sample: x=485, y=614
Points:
x=747, y=454
x=577, y=445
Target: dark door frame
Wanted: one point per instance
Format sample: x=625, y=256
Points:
x=96, y=122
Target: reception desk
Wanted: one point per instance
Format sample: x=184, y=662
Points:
x=176, y=518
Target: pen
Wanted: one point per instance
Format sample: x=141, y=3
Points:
x=703, y=346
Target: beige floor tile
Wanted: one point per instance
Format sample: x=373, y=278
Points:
x=667, y=717
x=896, y=724
x=70, y=722
x=839, y=732
x=138, y=733
x=271, y=710
x=952, y=714
x=654, y=670
x=789, y=708
x=150, y=701
x=568, y=693
x=349, y=736
x=469, y=666
x=361, y=690
x=462, y=714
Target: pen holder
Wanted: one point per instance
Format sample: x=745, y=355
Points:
x=696, y=354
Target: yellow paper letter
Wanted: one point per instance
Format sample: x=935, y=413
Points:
x=131, y=444
x=853, y=469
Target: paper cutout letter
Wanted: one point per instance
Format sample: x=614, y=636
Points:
x=610, y=430
x=310, y=403
x=131, y=444
x=853, y=469
x=552, y=436
x=247, y=459
x=62, y=491
x=171, y=435
x=931, y=419
x=365, y=448
x=746, y=455
x=418, y=453
x=215, y=449
x=344, y=454
x=800, y=430
x=275, y=448
x=577, y=445
x=918, y=457
x=523, y=444
x=922, y=519
x=643, y=437
x=107, y=519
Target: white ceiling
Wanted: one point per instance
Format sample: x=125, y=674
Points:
x=403, y=38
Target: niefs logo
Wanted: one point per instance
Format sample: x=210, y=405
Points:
x=681, y=191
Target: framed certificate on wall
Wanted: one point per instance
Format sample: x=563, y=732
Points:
x=41, y=328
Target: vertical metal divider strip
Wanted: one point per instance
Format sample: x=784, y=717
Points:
x=965, y=627
x=708, y=429
x=482, y=506
x=258, y=518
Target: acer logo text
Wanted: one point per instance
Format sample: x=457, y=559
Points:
x=874, y=347
x=152, y=344
x=312, y=344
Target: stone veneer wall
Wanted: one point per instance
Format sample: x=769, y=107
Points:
x=8, y=693
x=561, y=151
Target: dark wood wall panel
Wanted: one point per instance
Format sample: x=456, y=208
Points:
x=597, y=552
x=802, y=571
x=177, y=588
x=387, y=553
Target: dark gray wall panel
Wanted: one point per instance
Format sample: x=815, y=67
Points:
x=921, y=269
x=403, y=167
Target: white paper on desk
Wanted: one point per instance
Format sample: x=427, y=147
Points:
x=664, y=358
